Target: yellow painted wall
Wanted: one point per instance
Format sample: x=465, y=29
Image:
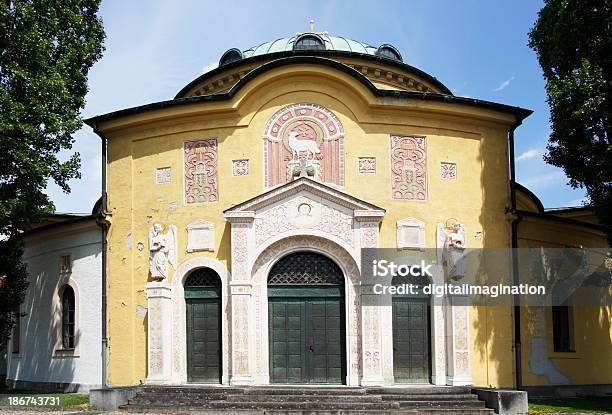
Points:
x=591, y=363
x=474, y=138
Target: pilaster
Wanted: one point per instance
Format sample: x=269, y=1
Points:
x=457, y=342
x=159, y=320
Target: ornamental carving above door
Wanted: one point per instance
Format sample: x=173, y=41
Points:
x=306, y=132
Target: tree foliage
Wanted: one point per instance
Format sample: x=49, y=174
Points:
x=46, y=50
x=573, y=41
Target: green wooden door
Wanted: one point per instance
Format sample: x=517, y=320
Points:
x=307, y=340
x=287, y=340
x=411, y=340
x=325, y=358
x=204, y=340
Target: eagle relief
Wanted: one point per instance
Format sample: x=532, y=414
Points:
x=304, y=137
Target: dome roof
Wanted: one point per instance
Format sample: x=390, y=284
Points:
x=331, y=43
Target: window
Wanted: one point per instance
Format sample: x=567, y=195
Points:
x=68, y=315
x=562, y=328
x=389, y=52
x=309, y=42
x=16, y=336
x=65, y=264
x=230, y=56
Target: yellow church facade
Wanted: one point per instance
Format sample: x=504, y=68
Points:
x=299, y=154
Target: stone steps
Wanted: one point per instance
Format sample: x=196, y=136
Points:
x=306, y=400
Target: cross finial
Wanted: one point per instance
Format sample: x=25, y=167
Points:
x=311, y=26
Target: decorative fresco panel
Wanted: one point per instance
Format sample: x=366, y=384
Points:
x=448, y=171
x=307, y=132
x=408, y=167
x=240, y=167
x=367, y=165
x=201, y=171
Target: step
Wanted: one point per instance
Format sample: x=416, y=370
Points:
x=200, y=411
x=442, y=404
x=420, y=390
x=312, y=406
x=304, y=390
x=305, y=398
x=432, y=397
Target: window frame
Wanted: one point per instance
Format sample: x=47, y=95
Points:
x=319, y=46
x=68, y=326
x=563, y=342
x=386, y=47
x=58, y=321
x=231, y=56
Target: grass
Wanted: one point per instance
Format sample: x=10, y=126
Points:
x=571, y=405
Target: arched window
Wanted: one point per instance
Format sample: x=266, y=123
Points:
x=203, y=277
x=68, y=318
x=230, y=56
x=389, y=52
x=309, y=42
x=305, y=268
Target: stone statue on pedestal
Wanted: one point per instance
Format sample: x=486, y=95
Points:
x=162, y=249
x=452, y=249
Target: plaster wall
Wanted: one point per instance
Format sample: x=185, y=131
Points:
x=39, y=360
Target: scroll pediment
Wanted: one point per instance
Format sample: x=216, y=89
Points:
x=304, y=205
x=360, y=208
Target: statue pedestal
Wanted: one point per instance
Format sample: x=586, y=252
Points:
x=159, y=332
x=458, y=342
x=313, y=169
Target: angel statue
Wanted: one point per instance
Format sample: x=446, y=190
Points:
x=452, y=248
x=162, y=249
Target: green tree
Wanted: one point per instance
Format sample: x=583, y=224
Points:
x=573, y=41
x=46, y=50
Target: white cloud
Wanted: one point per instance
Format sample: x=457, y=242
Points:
x=209, y=67
x=504, y=84
x=529, y=154
x=544, y=180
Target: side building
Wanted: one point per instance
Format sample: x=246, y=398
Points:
x=56, y=345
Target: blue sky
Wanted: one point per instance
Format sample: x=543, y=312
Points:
x=476, y=48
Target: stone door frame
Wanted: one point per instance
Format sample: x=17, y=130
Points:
x=261, y=270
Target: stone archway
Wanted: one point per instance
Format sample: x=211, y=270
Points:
x=167, y=344
x=350, y=270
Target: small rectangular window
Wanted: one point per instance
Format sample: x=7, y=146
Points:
x=562, y=329
x=16, y=336
x=65, y=264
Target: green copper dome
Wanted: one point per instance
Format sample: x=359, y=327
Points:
x=330, y=42
x=312, y=41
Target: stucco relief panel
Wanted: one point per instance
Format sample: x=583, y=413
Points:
x=304, y=131
x=240, y=251
x=304, y=213
x=201, y=181
x=409, y=167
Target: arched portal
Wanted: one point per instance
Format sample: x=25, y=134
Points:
x=203, y=321
x=306, y=312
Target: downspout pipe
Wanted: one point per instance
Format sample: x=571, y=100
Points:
x=103, y=223
x=516, y=219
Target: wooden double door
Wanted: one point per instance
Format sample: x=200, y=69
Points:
x=306, y=339
x=411, y=345
x=203, y=314
x=204, y=340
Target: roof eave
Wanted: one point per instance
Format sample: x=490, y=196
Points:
x=288, y=53
x=520, y=113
